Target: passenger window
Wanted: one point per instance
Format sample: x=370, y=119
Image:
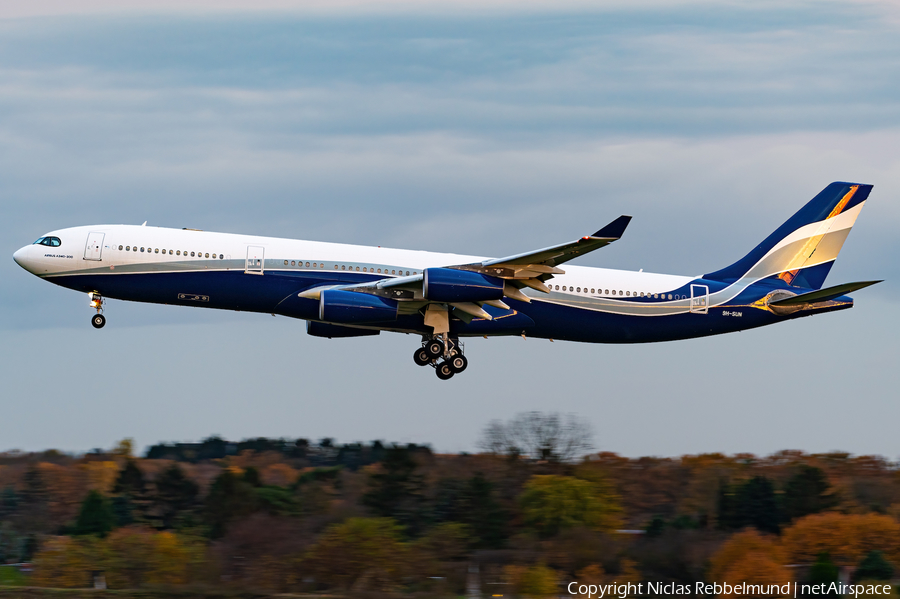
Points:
x=670, y=296
x=142, y=249
x=192, y=254
x=393, y=272
x=308, y=264
x=285, y=262
x=579, y=290
x=178, y=253
x=207, y=255
x=221, y=256
x=357, y=269
x=128, y=248
x=120, y=247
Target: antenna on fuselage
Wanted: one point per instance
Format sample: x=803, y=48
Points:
x=145, y=224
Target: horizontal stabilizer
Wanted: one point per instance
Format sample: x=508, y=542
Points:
x=823, y=295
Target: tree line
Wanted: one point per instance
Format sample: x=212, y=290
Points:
x=531, y=511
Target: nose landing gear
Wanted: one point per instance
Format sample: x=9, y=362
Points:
x=442, y=352
x=97, y=320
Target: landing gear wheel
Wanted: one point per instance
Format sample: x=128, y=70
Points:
x=98, y=320
x=458, y=363
x=421, y=357
x=434, y=349
x=444, y=371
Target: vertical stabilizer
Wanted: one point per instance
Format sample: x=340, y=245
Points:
x=802, y=250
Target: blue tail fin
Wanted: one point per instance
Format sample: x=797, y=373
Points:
x=801, y=251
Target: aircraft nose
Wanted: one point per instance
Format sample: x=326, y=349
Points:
x=21, y=257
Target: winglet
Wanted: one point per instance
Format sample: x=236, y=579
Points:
x=615, y=229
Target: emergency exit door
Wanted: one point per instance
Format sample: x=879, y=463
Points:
x=94, y=247
x=699, y=299
x=255, y=260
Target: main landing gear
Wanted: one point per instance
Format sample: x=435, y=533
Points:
x=442, y=352
x=97, y=320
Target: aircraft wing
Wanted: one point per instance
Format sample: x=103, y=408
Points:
x=531, y=269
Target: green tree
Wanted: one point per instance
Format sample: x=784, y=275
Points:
x=752, y=503
x=807, y=493
x=251, y=477
x=823, y=571
x=874, y=567
x=130, y=481
x=229, y=498
x=396, y=491
x=551, y=503
x=96, y=516
x=176, y=494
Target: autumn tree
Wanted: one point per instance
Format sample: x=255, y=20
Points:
x=551, y=503
x=845, y=537
x=64, y=562
x=750, y=557
x=359, y=552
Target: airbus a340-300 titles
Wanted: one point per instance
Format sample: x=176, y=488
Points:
x=350, y=291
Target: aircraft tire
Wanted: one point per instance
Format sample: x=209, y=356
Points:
x=421, y=357
x=98, y=321
x=434, y=349
x=444, y=371
x=458, y=363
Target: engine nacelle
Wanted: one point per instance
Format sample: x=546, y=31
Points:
x=334, y=331
x=350, y=307
x=451, y=285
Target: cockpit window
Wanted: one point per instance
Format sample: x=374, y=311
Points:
x=53, y=242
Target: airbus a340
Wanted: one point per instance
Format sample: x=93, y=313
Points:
x=351, y=291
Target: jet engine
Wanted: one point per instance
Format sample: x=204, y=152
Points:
x=451, y=285
x=350, y=307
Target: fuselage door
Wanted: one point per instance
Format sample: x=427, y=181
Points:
x=699, y=299
x=94, y=246
x=255, y=260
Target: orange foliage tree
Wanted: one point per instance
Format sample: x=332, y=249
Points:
x=750, y=557
x=845, y=537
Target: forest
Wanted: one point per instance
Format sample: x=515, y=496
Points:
x=529, y=513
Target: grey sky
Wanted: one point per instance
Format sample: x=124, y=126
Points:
x=487, y=132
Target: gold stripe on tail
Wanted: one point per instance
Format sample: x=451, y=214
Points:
x=812, y=243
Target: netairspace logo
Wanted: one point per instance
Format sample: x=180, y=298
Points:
x=624, y=590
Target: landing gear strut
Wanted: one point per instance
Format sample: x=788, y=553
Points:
x=442, y=352
x=97, y=320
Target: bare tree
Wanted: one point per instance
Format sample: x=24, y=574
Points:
x=539, y=436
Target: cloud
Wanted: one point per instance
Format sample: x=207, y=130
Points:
x=471, y=133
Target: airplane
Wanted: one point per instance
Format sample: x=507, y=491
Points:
x=351, y=291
